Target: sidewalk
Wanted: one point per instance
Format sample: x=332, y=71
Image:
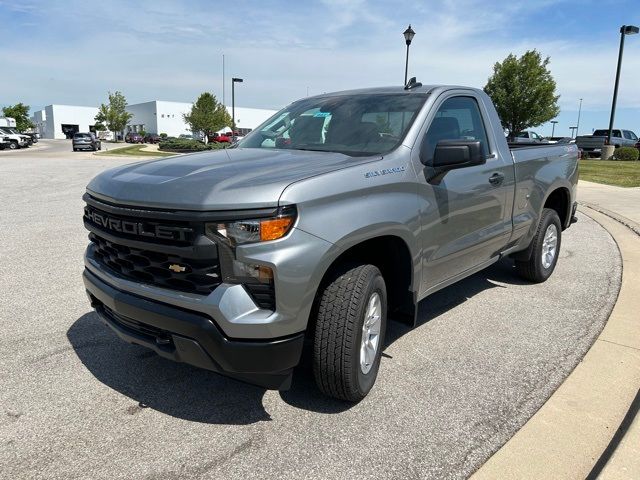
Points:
x=622, y=458
x=590, y=427
x=622, y=201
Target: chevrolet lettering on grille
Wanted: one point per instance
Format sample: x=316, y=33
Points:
x=144, y=229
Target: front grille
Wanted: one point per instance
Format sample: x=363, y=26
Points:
x=152, y=267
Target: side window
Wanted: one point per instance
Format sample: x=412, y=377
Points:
x=627, y=134
x=458, y=118
x=633, y=136
x=616, y=133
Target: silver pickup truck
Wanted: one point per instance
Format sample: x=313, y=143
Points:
x=340, y=211
x=592, y=145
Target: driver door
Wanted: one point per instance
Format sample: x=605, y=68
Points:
x=465, y=221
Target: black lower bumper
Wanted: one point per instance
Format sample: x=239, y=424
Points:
x=190, y=337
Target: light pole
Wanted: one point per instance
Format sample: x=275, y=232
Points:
x=624, y=30
x=234, y=80
x=578, y=124
x=408, y=36
x=553, y=128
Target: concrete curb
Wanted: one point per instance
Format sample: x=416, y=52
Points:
x=635, y=227
x=570, y=433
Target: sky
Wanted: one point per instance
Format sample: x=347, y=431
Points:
x=74, y=52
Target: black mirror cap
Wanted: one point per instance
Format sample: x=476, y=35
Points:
x=450, y=154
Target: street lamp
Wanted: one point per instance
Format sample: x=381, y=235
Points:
x=578, y=124
x=234, y=80
x=624, y=30
x=553, y=128
x=408, y=36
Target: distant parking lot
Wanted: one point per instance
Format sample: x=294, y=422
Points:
x=78, y=402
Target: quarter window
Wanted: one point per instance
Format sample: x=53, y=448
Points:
x=458, y=118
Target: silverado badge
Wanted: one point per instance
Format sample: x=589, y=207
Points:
x=177, y=268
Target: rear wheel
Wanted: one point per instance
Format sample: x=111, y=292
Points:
x=545, y=248
x=349, y=335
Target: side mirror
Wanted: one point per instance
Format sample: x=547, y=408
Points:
x=451, y=154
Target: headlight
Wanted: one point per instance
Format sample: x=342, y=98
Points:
x=258, y=230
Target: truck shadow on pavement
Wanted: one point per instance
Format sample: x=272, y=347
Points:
x=201, y=396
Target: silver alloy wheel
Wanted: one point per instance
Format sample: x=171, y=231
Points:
x=549, y=246
x=370, y=333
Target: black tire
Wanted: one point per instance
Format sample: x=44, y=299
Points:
x=13, y=145
x=533, y=269
x=338, y=334
x=75, y=149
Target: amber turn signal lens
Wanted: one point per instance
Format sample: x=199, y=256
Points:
x=274, y=228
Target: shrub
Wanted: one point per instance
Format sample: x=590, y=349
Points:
x=184, y=145
x=163, y=135
x=627, y=154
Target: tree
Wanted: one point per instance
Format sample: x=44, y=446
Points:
x=114, y=115
x=523, y=91
x=19, y=112
x=207, y=115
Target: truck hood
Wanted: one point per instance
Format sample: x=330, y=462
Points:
x=216, y=180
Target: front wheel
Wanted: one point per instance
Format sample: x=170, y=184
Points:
x=545, y=248
x=349, y=335
x=13, y=145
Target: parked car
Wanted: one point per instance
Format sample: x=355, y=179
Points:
x=592, y=144
x=16, y=139
x=186, y=136
x=528, y=137
x=220, y=137
x=86, y=141
x=231, y=260
x=33, y=136
x=4, y=142
x=152, y=138
x=133, y=137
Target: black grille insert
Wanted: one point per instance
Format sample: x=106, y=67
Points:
x=169, y=271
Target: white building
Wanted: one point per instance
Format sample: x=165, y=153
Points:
x=157, y=116
x=167, y=117
x=62, y=121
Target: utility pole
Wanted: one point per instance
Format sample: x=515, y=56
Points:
x=578, y=124
x=223, y=99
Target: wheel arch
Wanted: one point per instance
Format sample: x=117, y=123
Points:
x=391, y=254
x=559, y=199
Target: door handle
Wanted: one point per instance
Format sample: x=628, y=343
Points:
x=496, y=179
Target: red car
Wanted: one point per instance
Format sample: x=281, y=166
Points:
x=220, y=137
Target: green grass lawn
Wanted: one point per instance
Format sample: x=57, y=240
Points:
x=135, y=151
x=622, y=174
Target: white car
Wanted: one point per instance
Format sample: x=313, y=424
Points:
x=16, y=139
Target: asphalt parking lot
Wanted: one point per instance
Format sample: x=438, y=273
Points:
x=79, y=403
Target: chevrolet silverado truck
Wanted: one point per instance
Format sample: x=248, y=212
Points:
x=592, y=144
x=339, y=212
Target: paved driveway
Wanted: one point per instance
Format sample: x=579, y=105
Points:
x=76, y=402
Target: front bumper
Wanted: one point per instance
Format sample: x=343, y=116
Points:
x=194, y=338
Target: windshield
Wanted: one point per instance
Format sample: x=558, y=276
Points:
x=605, y=133
x=356, y=125
x=82, y=135
x=10, y=130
